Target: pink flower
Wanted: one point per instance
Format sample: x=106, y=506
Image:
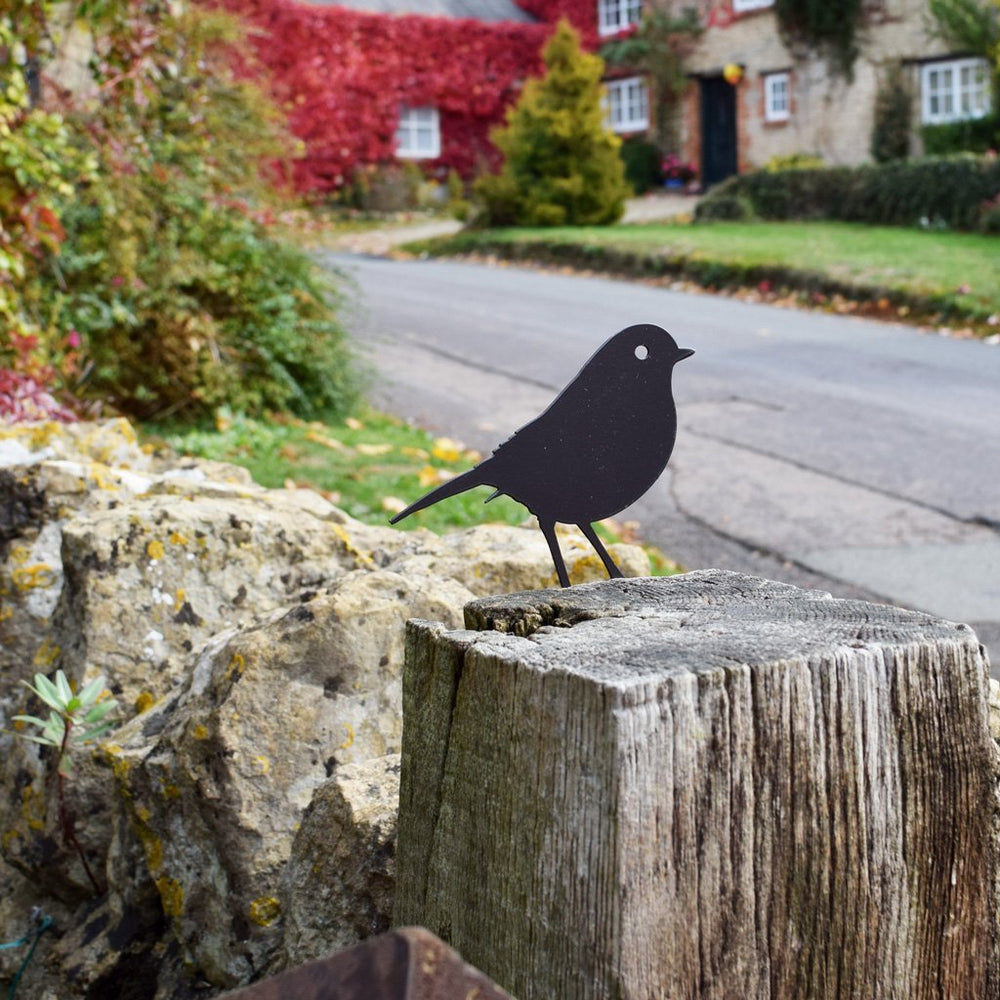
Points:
x=117, y=281
x=73, y=339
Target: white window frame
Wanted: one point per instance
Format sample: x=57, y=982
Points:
x=626, y=104
x=617, y=15
x=954, y=90
x=418, y=135
x=740, y=6
x=777, y=97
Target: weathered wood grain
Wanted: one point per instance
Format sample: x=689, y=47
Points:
x=709, y=786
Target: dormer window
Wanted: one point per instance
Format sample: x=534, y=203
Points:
x=616, y=15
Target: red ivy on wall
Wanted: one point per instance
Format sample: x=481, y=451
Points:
x=342, y=75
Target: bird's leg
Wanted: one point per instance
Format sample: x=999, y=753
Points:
x=549, y=531
x=609, y=563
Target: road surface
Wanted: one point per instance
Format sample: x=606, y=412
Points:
x=859, y=457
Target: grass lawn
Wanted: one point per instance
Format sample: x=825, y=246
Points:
x=370, y=465
x=958, y=272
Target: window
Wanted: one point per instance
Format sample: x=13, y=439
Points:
x=955, y=90
x=739, y=6
x=627, y=105
x=614, y=15
x=419, y=134
x=777, y=97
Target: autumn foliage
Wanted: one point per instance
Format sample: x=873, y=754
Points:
x=343, y=75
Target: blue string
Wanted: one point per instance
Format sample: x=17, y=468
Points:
x=44, y=924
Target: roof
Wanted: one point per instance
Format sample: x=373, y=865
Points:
x=477, y=10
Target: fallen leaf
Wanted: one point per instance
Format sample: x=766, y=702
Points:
x=446, y=450
x=326, y=441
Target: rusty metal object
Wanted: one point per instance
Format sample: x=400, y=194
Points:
x=406, y=964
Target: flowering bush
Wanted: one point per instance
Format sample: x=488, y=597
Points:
x=140, y=269
x=674, y=169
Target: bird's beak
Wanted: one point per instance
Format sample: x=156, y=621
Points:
x=684, y=352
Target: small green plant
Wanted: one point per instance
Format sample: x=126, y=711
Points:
x=893, y=116
x=459, y=207
x=75, y=719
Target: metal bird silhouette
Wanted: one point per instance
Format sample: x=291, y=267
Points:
x=600, y=445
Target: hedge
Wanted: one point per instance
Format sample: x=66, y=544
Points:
x=950, y=191
x=814, y=286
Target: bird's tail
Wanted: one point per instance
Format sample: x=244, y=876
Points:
x=466, y=481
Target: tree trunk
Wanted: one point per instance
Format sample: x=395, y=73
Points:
x=704, y=786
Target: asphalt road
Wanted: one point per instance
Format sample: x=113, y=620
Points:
x=861, y=458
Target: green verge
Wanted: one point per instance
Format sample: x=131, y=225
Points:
x=370, y=465
x=918, y=276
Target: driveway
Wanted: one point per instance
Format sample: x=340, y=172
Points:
x=853, y=456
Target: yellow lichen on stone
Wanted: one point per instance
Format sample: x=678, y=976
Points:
x=176, y=538
x=30, y=577
x=33, y=808
x=200, y=732
x=363, y=558
x=103, y=477
x=265, y=910
x=8, y=839
x=144, y=702
x=236, y=666
x=155, y=549
x=46, y=654
x=171, y=896
x=350, y=737
x=262, y=764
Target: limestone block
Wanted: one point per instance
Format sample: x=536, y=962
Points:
x=217, y=777
x=150, y=581
x=339, y=884
x=501, y=559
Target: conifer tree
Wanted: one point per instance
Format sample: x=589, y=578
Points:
x=561, y=163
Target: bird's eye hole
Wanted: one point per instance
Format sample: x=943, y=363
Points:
x=642, y=352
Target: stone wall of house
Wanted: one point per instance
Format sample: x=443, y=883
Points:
x=831, y=116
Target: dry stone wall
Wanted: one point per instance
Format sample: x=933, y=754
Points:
x=243, y=816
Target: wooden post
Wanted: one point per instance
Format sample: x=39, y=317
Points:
x=704, y=786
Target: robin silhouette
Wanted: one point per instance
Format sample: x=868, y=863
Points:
x=599, y=446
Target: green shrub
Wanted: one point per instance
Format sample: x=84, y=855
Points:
x=950, y=190
x=724, y=207
x=642, y=164
x=989, y=217
x=561, y=164
x=977, y=135
x=212, y=313
x=893, y=114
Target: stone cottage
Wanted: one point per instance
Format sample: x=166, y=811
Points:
x=371, y=82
